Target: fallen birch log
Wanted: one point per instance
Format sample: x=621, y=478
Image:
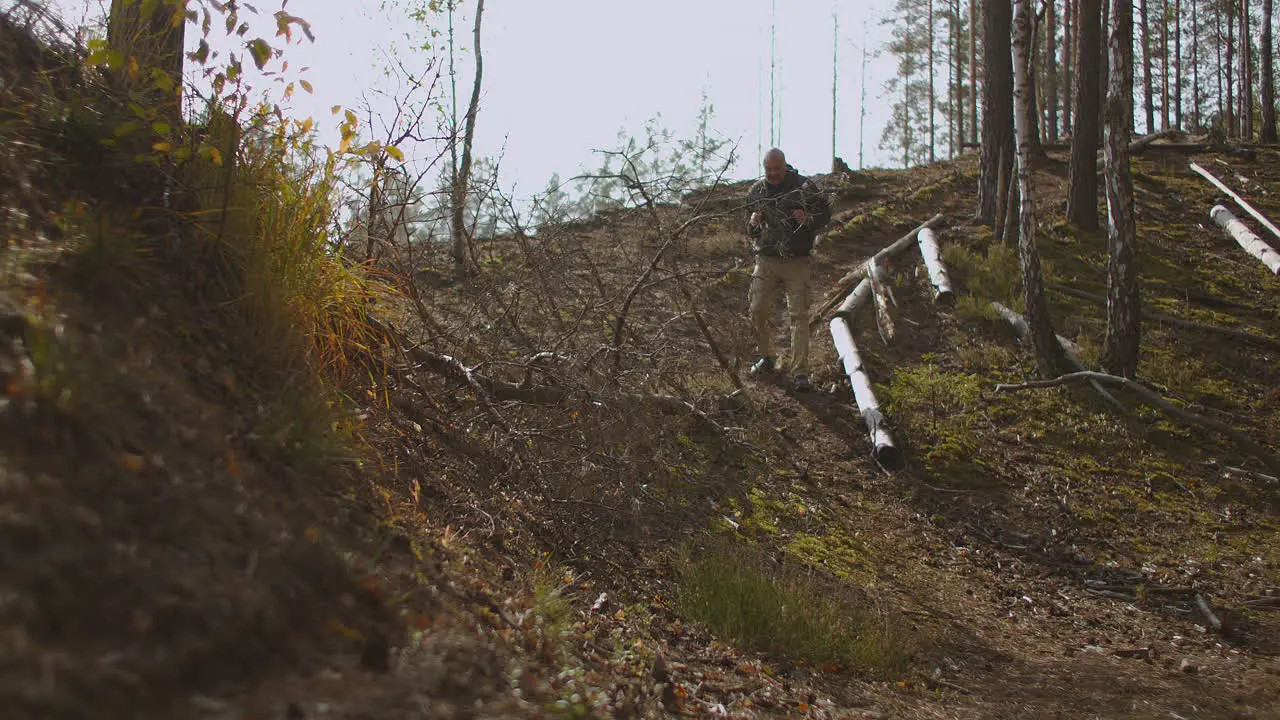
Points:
x=1174, y=321
x=1246, y=238
x=883, y=449
x=1069, y=348
x=1238, y=200
x=883, y=296
x=855, y=300
x=938, y=278
x=847, y=283
x=1153, y=398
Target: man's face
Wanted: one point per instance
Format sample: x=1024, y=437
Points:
x=775, y=169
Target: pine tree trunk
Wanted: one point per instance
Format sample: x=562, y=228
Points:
x=1068, y=47
x=1051, y=71
x=1148, y=103
x=957, y=81
x=973, y=71
x=997, y=104
x=1082, y=200
x=1048, y=351
x=1120, y=347
x=1268, y=78
x=1197, y=122
x=1104, y=67
x=1164, y=65
x=1228, y=70
x=461, y=188
x=933, y=101
x=1246, y=73
x=1177, y=65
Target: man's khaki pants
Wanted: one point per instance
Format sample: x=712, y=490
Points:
x=792, y=275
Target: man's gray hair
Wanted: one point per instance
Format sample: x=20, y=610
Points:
x=775, y=154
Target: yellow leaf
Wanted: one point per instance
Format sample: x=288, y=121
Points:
x=306, y=86
x=216, y=156
x=233, y=466
x=396, y=153
x=133, y=67
x=133, y=463
x=336, y=109
x=346, y=143
x=163, y=147
x=307, y=125
x=288, y=91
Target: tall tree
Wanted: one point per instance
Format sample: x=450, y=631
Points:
x=1268, y=78
x=1148, y=91
x=1068, y=47
x=959, y=136
x=835, y=82
x=1124, y=328
x=973, y=71
x=931, y=23
x=1246, y=72
x=1082, y=199
x=461, y=185
x=1164, y=65
x=1177, y=64
x=1227, y=71
x=1051, y=71
x=1048, y=351
x=997, y=105
x=1196, y=89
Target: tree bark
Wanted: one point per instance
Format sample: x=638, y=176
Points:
x=1104, y=67
x=1048, y=351
x=1246, y=73
x=933, y=100
x=460, y=188
x=1051, y=71
x=1164, y=65
x=1068, y=48
x=1148, y=99
x=1124, y=321
x=957, y=81
x=1233, y=128
x=997, y=110
x=1177, y=64
x=973, y=71
x=1268, y=78
x=1082, y=200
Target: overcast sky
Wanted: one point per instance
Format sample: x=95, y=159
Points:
x=561, y=77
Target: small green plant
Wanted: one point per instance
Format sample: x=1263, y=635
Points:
x=939, y=411
x=743, y=596
x=994, y=276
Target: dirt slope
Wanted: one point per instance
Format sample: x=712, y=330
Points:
x=491, y=557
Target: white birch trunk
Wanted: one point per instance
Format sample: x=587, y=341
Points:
x=1246, y=238
x=883, y=450
x=938, y=277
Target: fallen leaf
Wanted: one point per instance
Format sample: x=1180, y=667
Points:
x=133, y=463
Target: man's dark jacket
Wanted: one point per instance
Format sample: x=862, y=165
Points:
x=781, y=235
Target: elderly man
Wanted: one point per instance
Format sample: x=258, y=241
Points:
x=783, y=208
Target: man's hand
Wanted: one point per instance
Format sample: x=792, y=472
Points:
x=757, y=217
x=799, y=215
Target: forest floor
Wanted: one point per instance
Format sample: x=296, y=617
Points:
x=560, y=538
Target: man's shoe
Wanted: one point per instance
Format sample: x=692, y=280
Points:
x=802, y=383
x=761, y=366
